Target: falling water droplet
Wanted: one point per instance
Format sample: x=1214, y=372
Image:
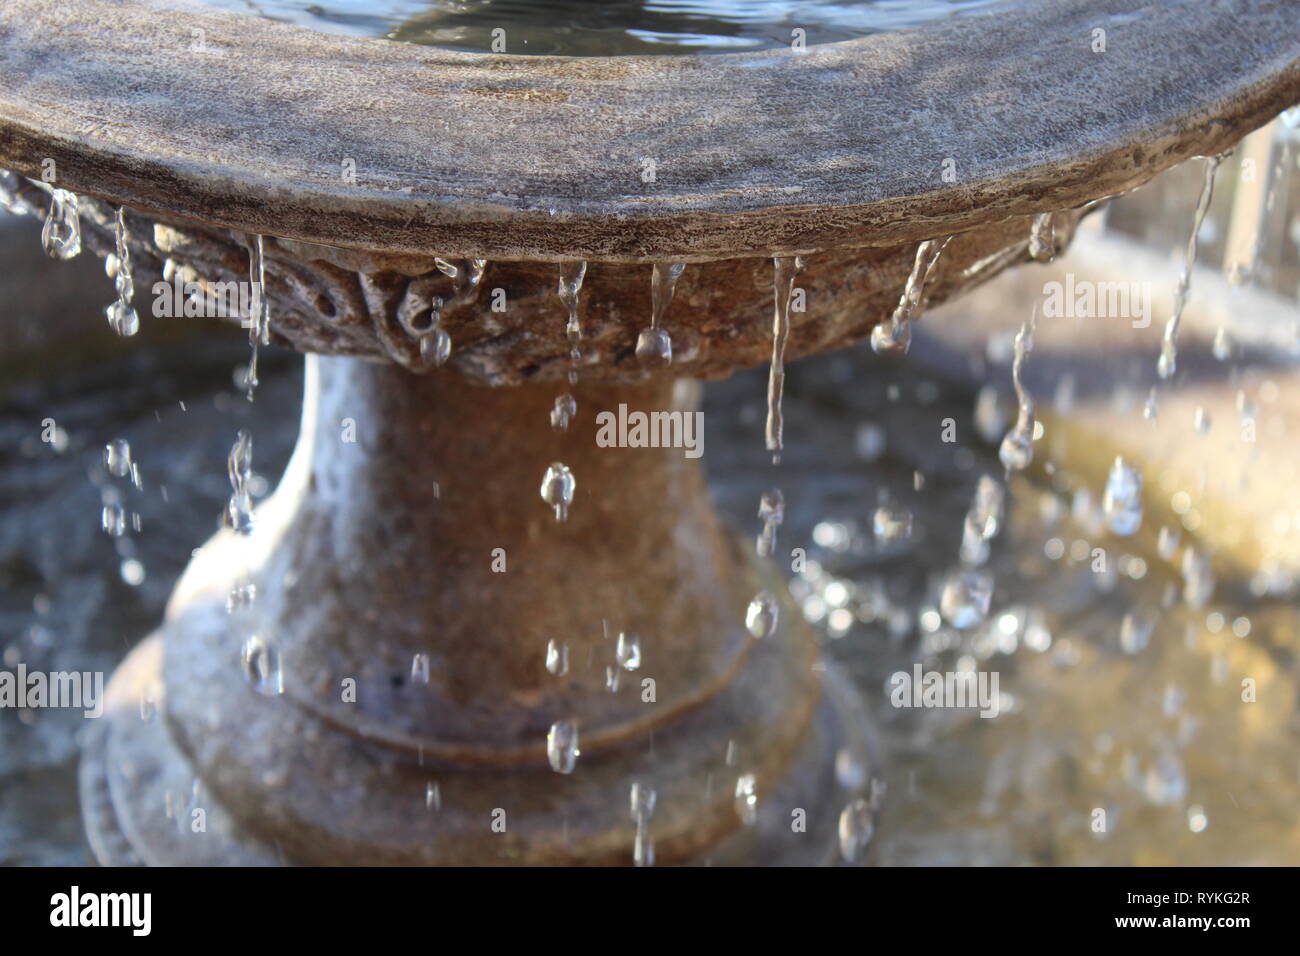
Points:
x=420, y=669
x=435, y=347
x=1222, y=346
x=784, y=270
x=557, y=658
x=628, y=651
x=563, y=411
x=558, y=486
x=1135, y=631
x=1168, y=361
x=855, y=829
x=113, y=519
x=762, y=615
x=432, y=796
x=1198, y=579
x=895, y=336
x=642, y=799
x=771, y=509
x=1122, y=500
x=746, y=799
x=117, y=457
x=262, y=666
x=891, y=524
x=61, y=233
x=965, y=599
x=654, y=347
x=239, y=466
x=1167, y=542
x=562, y=746
x=1201, y=421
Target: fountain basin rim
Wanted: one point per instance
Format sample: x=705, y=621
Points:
x=498, y=156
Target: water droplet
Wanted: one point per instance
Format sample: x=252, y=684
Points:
x=628, y=651
x=1135, y=631
x=746, y=799
x=563, y=411
x=1167, y=542
x=1222, y=346
x=558, y=485
x=654, y=349
x=965, y=599
x=1201, y=421
x=113, y=519
x=771, y=509
x=420, y=669
x=557, y=658
x=1122, y=500
x=432, y=796
x=1045, y=239
x=1198, y=579
x=891, y=524
x=435, y=347
x=262, y=666
x=894, y=337
x=762, y=615
x=241, y=596
x=856, y=828
x=562, y=746
x=117, y=457
x=61, y=232
x=642, y=799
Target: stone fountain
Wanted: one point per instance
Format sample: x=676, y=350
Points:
x=408, y=527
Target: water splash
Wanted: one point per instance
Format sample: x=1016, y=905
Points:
x=1168, y=361
x=654, y=346
x=122, y=318
x=895, y=336
x=61, y=232
x=784, y=270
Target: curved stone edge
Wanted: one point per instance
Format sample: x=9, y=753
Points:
x=851, y=155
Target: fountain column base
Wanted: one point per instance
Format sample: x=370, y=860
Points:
x=407, y=539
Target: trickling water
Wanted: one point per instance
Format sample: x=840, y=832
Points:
x=572, y=275
x=784, y=271
x=259, y=317
x=562, y=746
x=895, y=336
x=1122, y=500
x=122, y=318
x=1045, y=241
x=1168, y=362
x=654, y=346
x=1017, y=448
x=558, y=485
x=61, y=233
x=239, y=465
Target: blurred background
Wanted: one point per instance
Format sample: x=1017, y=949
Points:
x=1121, y=679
